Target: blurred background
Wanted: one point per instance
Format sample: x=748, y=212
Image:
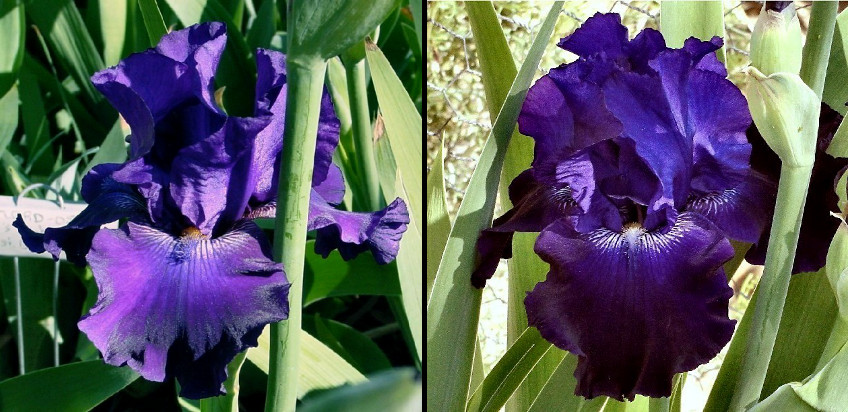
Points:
x=457, y=116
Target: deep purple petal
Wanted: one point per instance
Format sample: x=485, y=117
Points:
x=355, y=232
x=601, y=33
x=114, y=201
x=144, y=87
x=271, y=100
x=199, y=47
x=635, y=307
x=182, y=307
x=210, y=180
x=535, y=205
x=563, y=113
x=332, y=189
x=740, y=208
x=149, y=180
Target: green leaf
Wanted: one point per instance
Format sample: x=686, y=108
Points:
x=809, y=300
x=453, y=309
x=810, y=311
x=237, y=70
x=153, y=21
x=320, y=367
x=263, y=28
x=12, y=31
x=354, y=346
x=112, y=150
x=333, y=276
x=73, y=387
x=835, y=92
x=824, y=391
x=36, y=301
x=558, y=391
x=65, y=32
x=392, y=390
x=36, y=126
x=525, y=268
x=509, y=372
x=8, y=117
x=111, y=28
x=326, y=29
x=680, y=20
x=438, y=219
x=403, y=128
x=415, y=8
x=409, y=266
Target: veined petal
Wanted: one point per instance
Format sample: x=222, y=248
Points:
x=355, y=232
x=184, y=306
x=635, y=307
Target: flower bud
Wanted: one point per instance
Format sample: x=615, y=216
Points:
x=786, y=113
x=776, y=42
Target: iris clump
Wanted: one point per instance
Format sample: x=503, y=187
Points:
x=640, y=176
x=186, y=281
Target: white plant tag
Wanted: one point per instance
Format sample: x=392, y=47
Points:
x=38, y=215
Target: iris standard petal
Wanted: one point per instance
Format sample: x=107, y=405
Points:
x=355, y=232
x=144, y=87
x=199, y=47
x=210, y=178
x=635, y=307
x=184, y=306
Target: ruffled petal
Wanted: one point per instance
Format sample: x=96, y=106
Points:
x=601, y=33
x=144, y=87
x=185, y=306
x=563, y=113
x=355, y=232
x=199, y=47
x=635, y=307
x=535, y=205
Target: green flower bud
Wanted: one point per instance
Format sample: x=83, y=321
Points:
x=776, y=42
x=786, y=113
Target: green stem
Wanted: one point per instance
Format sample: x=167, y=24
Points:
x=305, y=82
x=229, y=401
x=817, y=48
x=361, y=121
x=774, y=284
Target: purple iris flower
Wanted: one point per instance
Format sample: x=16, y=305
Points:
x=817, y=225
x=187, y=281
x=641, y=174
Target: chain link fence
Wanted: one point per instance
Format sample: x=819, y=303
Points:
x=458, y=118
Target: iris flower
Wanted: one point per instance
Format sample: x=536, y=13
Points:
x=187, y=281
x=640, y=175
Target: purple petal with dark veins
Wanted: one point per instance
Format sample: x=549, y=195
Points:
x=355, y=232
x=635, y=307
x=184, y=306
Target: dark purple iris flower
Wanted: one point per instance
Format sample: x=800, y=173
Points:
x=187, y=281
x=641, y=174
x=817, y=225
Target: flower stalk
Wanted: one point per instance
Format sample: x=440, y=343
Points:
x=361, y=120
x=305, y=81
x=774, y=284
